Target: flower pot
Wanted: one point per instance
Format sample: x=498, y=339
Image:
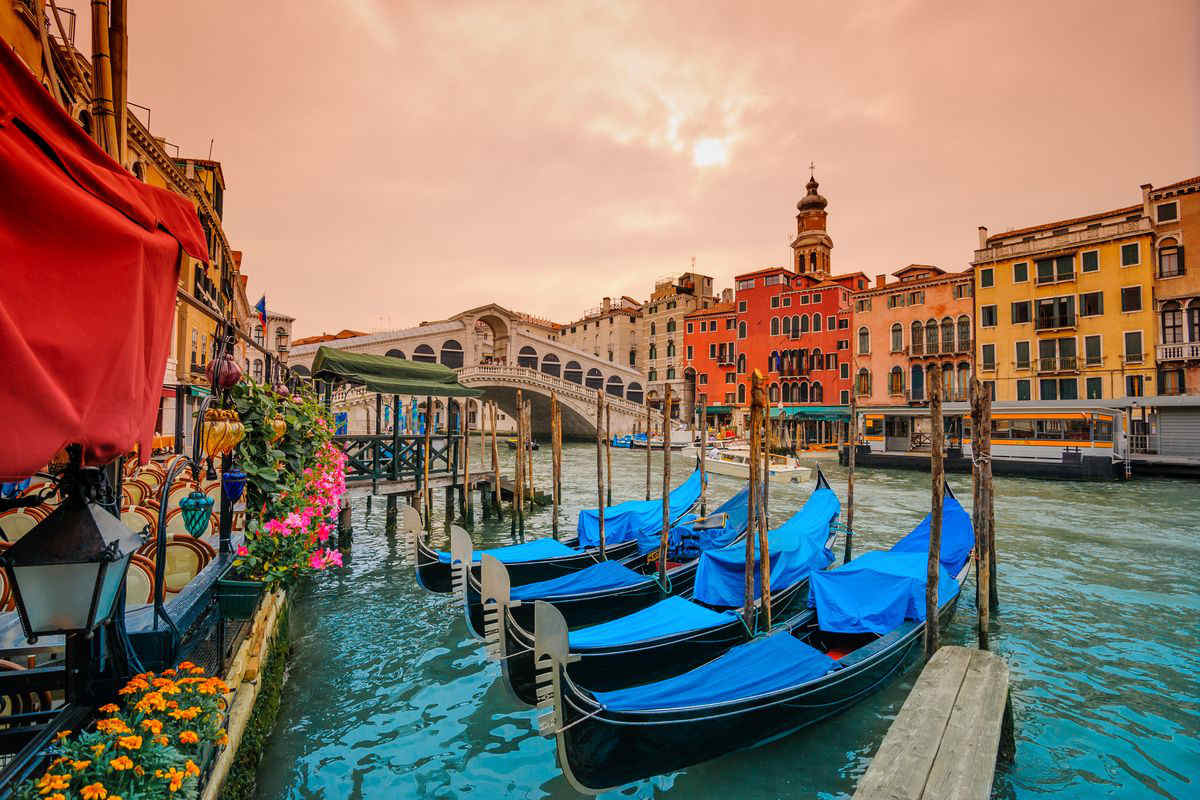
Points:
x=238, y=598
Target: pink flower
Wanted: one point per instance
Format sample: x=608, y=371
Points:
x=293, y=520
x=316, y=562
x=323, y=532
x=275, y=526
x=242, y=550
x=333, y=557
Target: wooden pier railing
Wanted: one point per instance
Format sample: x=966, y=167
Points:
x=398, y=457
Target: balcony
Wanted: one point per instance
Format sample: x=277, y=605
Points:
x=1050, y=322
x=1060, y=364
x=1040, y=244
x=1188, y=351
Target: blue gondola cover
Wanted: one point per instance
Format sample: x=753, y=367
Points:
x=775, y=662
x=604, y=575
x=686, y=543
x=624, y=521
x=664, y=618
x=796, y=548
x=526, y=551
x=875, y=592
x=958, y=537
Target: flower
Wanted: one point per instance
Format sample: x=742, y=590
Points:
x=131, y=742
x=94, y=791
x=121, y=763
x=80, y=765
x=189, y=737
x=98, y=748
x=152, y=725
x=191, y=769
x=58, y=737
x=316, y=562
x=112, y=725
x=52, y=781
x=243, y=550
x=109, y=708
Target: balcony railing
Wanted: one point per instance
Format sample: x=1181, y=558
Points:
x=1047, y=322
x=957, y=346
x=1063, y=240
x=1179, y=352
x=1060, y=364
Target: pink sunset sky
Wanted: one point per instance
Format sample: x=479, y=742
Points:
x=389, y=162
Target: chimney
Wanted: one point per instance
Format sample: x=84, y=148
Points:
x=606, y=304
x=880, y=281
x=982, y=237
x=1146, y=188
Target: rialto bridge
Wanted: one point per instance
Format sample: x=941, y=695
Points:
x=500, y=352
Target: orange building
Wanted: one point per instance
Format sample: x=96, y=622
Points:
x=710, y=336
x=923, y=317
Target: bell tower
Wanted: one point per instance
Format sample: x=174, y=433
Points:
x=812, y=244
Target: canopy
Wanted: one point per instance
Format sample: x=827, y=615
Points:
x=875, y=592
x=958, y=536
x=775, y=662
x=718, y=410
x=89, y=264
x=388, y=375
x=829, y=413
x=684, y=542
x=526, y=551
x=625, y=521
x=597, y=577
x=664, y=618
x=796, y=548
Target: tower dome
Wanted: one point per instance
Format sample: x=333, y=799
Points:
x=812, y=201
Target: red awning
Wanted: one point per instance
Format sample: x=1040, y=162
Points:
x=89, y=262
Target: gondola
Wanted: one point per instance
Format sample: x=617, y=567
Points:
x=865, y=625
x=622, y=442
x=675, y=634
x=623, y=525
x=529, y=445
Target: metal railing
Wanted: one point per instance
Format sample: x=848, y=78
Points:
x=386, y=456
x=1040, y=243
x=1143, y=443
x=1059, y=364
x=1050, y=321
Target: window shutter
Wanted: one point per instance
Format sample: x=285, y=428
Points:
x=1179, y=256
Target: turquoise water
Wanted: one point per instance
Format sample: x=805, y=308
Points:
x=389, y=697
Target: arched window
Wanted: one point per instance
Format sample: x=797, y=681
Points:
x=864, y=340
x=897, y=337
x=774, y=326
x=550, y=364
x=795, y=325
x=816, y=360
x=741, y=394
x=787, y=392
x=670, y=349
x=573, y=372
x=527, y=357
x=896, y=381
x=931, y=338
x=773, y=393
x=917, y=341
x=964, y=380
x=671, y=325
x=817, y=393
x=804, y=323
x=652, y=327
x=424, y=354
x=862, y=382
x=947, y=335
x=634, y=393
x=1172, y=323
x=615, y=386
x=653, y=351
x=452, y=354
x=670, y=373
x=947, y=381
x=964, y=334
x=802, y=388
x=741, y=330
x=787, y=326
x=394, y=353
x=652, y=374
x=1193, y=321
x=918, y=380
x=741, y=363
x=816, y=322
x=258, y=335
x=1170, y=258
x=594, y=379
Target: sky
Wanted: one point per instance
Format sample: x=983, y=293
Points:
x=389, y=162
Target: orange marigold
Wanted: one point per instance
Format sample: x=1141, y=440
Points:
x=162, y=739
x=191, y=769
x=94, y=791
x=109, y=708
x=186, y=665
x=80, y=765
x=121, y=763
x=52, y=781
x=112, y=725
x=189, y=737
x=152, y=725
x=131, y=742
x=58, y=737
x=98, y=748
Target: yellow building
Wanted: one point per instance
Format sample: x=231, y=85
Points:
x=1174, y=210
x=1065, y=310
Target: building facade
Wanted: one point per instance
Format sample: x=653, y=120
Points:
x=710, y=349
x=1065, y=310
x=612, y=331
x=662, y=337
x=923, y=317
x=1174, y=214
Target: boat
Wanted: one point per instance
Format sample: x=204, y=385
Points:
x=676, y=633
x=530, y=445
x=622, y=442
x=623, y=524
x=640, y=442
x=733, y=462
x=865, y=625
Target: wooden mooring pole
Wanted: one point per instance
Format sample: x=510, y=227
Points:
x=600, y=467
x=666, y=490
x=990, y=501
x=937, y=440
x=647, y=446
x=426, y=499
x=851, y=446
x=703, y=456
x=532, y=499
x=608, y=450
x=982, y=561
x=555, y=448
x=495, y=489
x=751, y=532
x=469, y=511
x=764, y=442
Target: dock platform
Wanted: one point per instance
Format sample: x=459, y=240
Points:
x=945, y=740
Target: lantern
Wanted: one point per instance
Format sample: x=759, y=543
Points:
x=224, y=372
x=197, y=510
x=233, y=483
x=279, y=426
x=67, y=571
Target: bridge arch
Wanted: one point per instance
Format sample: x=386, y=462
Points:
x=615, y=386
x=527, y=357
x=451, y=354
x=594, y=379
x=395, y=353
x=424, y=353
x=573, y=372
x=551, y=364
x=497, y=337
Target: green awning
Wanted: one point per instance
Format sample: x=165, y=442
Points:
x=388, y=375
x=828, y=413
x=713, y=411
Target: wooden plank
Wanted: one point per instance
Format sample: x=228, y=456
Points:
x=901, y=766
x=966, y=762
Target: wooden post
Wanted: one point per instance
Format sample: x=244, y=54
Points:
x=394, y=473
x=982, y=571
x=666, y=490
x=608, y=449
x=989, y=501
x=766, y=476
x=558, y=461
x=600, y=467
x=937, y=437
x=495, y=489
x=647, y=446
x=426, y=499
x=555, y=445
x=518, y=500
x=469, y=514
x=529, y=454
x=852, y=443
x=748, y=600
x=758, y=395
x=703, y=456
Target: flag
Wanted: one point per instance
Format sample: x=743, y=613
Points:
x=261, y=308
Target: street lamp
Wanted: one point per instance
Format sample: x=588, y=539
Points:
x=67, y=571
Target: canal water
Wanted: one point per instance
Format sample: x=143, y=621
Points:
x=389, y=697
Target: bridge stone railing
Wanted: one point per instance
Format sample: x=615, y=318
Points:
x=528, y=377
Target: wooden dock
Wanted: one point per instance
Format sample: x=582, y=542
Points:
x=944, y=742
x=358, y=488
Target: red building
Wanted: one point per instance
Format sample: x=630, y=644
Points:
x=793, y=325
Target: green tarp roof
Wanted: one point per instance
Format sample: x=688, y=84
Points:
x=832, y=413
x=711, y=410
x=388, y=375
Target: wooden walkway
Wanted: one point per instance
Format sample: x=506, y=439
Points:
x=359, y=488
x=944, y=742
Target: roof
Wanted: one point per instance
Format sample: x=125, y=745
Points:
x=716, y=308
x=918, y=268
x=345, y=333
x=388, y=375
x=1060, y=223
x=1175, y=185
x=763, y=271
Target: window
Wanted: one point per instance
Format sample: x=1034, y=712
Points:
x=731, y=377
x=1022, y=312
x=653, y=353
x=774, y=326
x=729, y=323
x=1172, y=323
x=703, y=379
x=831, y=361
x=1091, y=350
x=689, y=329
x=1021, y=272
x=843, y=344
x=1131, y=254
x=844, y=371
x=989, y=356
x=742, y=307
x=964, y=333
x=1052, y=270
x=741, y=330
x=861, y=305
x=816, y=322
x=1059, y=388
x=931, y=337
x=787, y=326
x=803, y=323
x=670, y=349
x=746, y=284
x=1170, y=381
x=787, y=302
x=897, y=337
x=741, y=364
x=864, y=340
x=689, y=353
x=1048, y=389
x=916, y=298
x=670, y=373
x=1023, y=389
x=917, y=340
x=895, y=300
x=1134, y=385
x=741, y=394
x=652, y=328
x=633, y=358
x=845, y=397
x=990, y=388
x=1095, y=388
x=831, y=323
x=964, y=290
x=1055, y=312
x=842, y=324
x=712, y=351
x=1056, y=354
x=987, y=278
x=896, y=381
x=775, y=301
x=862, y=382
x=804, y=301
x=1089, y=261
x=670, y=326
x=1170, y=258
x=947, y=335
x=1022, y=353
x=1091, y=304
x=652, y=374
x=1133, y=347
x=1166, y=212
x=987, y=317
x=1131, y=298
